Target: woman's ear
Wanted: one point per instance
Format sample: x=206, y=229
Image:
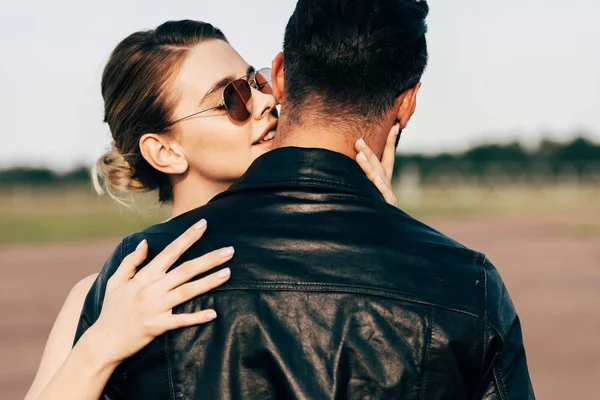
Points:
x=163, y=154
x=278, y=77
x=407, y=104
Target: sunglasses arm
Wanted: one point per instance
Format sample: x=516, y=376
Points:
x=221, y=104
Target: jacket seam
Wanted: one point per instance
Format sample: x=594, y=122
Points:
x=489, y=374
x=428, y=339
x=169, y=370
x=496, y=371
x=489, y=370
x=329, y=287
x=485, y=309
x=500, y=384
x=459, y=249
x=490, y=325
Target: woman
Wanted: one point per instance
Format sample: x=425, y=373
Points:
x=183, y=123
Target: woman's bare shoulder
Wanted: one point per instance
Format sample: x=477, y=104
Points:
x=69, y=314
x=82, y=287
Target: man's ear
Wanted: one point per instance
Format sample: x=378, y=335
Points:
x=163, y=154
x=278, y=77
x=406, y=104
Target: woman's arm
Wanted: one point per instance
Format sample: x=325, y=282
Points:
x=61, y=337
x=137, y=308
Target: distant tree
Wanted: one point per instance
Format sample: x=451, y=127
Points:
x=512, y=159
x=79, y=175
x=512, y=152
x=577, y=151
x=28, y=176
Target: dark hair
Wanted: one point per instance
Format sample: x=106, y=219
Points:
x=350, y=58
x=138, y=100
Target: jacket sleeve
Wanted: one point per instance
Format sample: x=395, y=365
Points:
x=95, y=297
x=507, y=375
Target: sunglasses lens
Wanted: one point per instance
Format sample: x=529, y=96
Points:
x=236, y=96
x=263, y=81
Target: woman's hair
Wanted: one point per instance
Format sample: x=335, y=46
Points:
x=137, y=100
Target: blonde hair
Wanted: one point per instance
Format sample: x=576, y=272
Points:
x=113, y=175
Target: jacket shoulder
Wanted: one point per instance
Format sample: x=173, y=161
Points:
x=435, y=267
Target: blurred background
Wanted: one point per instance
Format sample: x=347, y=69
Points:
x=503, y=154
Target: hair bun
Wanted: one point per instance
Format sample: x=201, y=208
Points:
x=113, y=175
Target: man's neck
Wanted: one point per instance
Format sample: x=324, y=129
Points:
x=328, y=138
x=319, y=139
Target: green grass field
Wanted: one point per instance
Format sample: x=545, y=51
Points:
x=70, y=213
x=67, y=213
x=472, y=202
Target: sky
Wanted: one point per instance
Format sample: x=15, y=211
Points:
x=499, y=70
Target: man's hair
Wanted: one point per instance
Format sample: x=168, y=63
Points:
x=352, y=58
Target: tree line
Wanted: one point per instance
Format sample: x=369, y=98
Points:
x=578, y=156
x=42, y=176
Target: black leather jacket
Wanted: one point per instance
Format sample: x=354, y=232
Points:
x=334, y=294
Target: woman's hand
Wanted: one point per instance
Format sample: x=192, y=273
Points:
x=138, y=306
x=380, y=172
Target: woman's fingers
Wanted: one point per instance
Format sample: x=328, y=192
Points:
x=128, y=266
x=374, y=169
x=195, y=288
x=386, y=191
x=176, y=321
x=367, y=168
x=370, y=163
x=188, y=270
x=162, y=262
x=389, y=152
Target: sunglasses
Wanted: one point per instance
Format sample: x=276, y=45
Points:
x=237, y=94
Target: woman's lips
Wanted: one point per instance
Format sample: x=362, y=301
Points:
x=263, y=143
x=272, y=127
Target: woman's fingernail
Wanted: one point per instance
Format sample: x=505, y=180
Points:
x=200, y=225
x=140, y=245
x=362, y=156
x=362, y=143
x=211, y=315
x=227, y=252
x=379, y=179
x=224, y=273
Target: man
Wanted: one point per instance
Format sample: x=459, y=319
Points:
x=334, y=293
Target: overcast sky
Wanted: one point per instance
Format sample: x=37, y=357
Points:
x=499, y=70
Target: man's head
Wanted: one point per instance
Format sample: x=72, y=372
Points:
x=351, y=62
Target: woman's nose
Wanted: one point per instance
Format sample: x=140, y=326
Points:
x=262, y=104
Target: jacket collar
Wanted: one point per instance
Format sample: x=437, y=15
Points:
x=305, y=167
